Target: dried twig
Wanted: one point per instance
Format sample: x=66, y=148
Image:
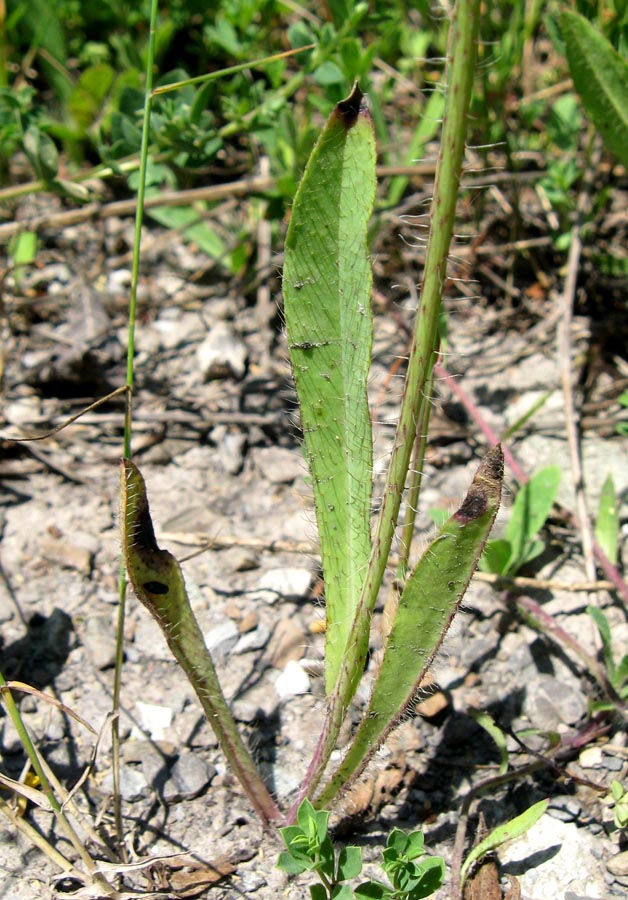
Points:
x=564, y=356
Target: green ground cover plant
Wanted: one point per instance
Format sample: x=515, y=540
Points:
x=520, y=544
x=309, y=848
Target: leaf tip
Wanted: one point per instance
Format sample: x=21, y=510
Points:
x=349, y=109
x=485, y=491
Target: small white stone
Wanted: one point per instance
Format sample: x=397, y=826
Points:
x=222, y=354
x=279, y=584
x=293, y=680
x=221, y=638
x=554, y=858
x=154, y=719
x=591, y=758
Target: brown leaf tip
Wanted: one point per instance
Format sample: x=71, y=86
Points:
x=349, y=109
x=473, y=506
x=139, y=525
x=485, y=489
x=491, y=469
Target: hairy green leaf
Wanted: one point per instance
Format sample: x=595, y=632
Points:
x=601, y=78
x=426, y=608
x=158, y=581
x=327, y=287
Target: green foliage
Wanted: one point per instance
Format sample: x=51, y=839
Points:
x=616, y=671
x=327, y=280
x=620, y=804
x=520, y=544
x=23, y=250
x=622, y=427
x=607, y=525
x=487, y=722
x=600, y=75
x=158, y=582
x=327, y=287
x=309, y=848
x=427, y=605
x=99, y=52
x=500, y=835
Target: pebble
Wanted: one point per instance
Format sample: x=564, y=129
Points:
x=231, y=446
x=565, y=808
x=293, y=680
x=618, y=865
x=154, y=719
x=222, y=354
x=241, y=559
x=550, y=702
x=516, y=654
x=148, y=640
x=287, y=643
x=148, y=757
x=23, y=411
x=285, y=781
x=68, y=554
x=591, y=758
x=118, y=280
x=221, y=638
x=279, y=465
x=133, y=784
x=98, y=638
x=284, y=583
x=554, y=857
x=177, y=330
x=253, y=640
x=250, y=882
x=189, y=777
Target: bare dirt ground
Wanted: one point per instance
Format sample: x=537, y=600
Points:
x=216, y=435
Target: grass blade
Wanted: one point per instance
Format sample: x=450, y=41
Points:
x=530, y=510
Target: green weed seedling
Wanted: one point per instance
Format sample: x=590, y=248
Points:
x=521, y=544
x=622, y=427
x=500, y=835
x=607, y=523
x=309, y=848
x=619, y=799
x=616, y=671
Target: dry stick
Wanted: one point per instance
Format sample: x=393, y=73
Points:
x=47, y=434
x=564, y=355
x=254, y=185
x=266, y=308
x=204, y=542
